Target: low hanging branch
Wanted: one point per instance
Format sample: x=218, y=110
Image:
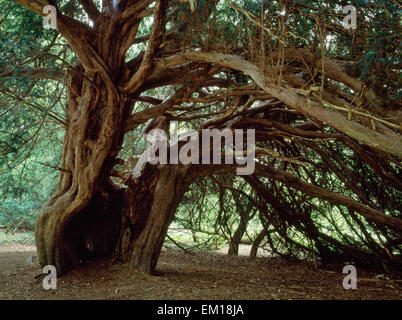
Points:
x=301, y=103
x=308, y=188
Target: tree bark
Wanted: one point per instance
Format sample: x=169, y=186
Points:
x=245, y=217
x=235, y=241
x=168, y=193
x=256, y=243
x=88, y=216
x=92, y=140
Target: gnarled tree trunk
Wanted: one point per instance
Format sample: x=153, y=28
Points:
x=168, y=192
x=90, y=217
x=92, y=140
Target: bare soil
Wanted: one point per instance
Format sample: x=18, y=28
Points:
x=204, y=275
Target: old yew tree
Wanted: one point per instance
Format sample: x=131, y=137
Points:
x=323, y=97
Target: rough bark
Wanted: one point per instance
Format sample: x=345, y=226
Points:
x=88, y=216
x=168, y=192
x=91, y=143
x=138, y=199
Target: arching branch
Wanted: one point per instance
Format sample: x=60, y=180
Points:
x=308, y=188
x=301, y=103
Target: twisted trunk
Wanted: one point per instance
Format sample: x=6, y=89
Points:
x=92, y=140
x=88, y=216
x=168, y=192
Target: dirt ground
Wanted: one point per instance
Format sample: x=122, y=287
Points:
x=183, y=276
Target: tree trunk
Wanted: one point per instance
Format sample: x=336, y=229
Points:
x=256, y=243
x=236, y=239
x=168, y=193
x=246, y=215
x=88, y=216
x=92, y=140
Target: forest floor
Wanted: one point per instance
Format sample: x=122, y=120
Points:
x=205, y=275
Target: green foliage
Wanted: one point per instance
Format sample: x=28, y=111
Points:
x=29, y=139
x=17, y=214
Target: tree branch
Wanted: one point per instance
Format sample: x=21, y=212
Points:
x=302, y=104
x=91, y=9
x=294, y=182
x=146, y=66
x=33, y=73
x=34, y=5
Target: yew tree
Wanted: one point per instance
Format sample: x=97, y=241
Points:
x=324, y=99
